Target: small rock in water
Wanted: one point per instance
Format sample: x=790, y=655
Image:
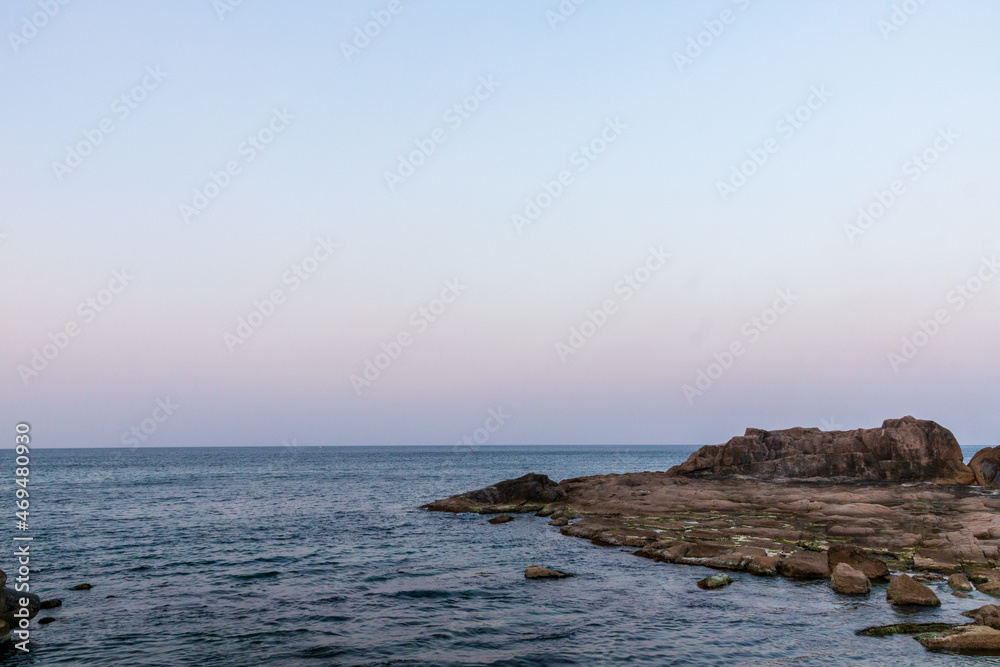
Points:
x=46, y=620
x=561, y=521
x=81, y=587
x=904, y=590
x=50, y=604
x=539, y=572
x=503, y=518
x=714, y=582
x=849, y=581
x=960, y=594
x=109, y=596
x=960, y=582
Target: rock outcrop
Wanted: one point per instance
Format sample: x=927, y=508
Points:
x=902, y=450
x=525, y=494
x=905, y=591
x=985, y=465
x=846, y=580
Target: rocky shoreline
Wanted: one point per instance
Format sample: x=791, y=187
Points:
x=851, y=507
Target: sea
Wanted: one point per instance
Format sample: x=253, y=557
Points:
x=311, y=556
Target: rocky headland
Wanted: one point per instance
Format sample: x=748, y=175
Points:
x=852, y=507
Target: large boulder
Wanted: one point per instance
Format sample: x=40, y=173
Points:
x=902, y=450
x=846, y=580
x=526, y=493
x=805, y=564
x=905, y=591
x=985, y=465
x=10, y=603
x=859, y=559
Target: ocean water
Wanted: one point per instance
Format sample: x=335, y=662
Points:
x=320, y=556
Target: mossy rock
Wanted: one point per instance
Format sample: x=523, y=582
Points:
x=905, y=629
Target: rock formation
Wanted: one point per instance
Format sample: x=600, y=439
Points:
x=902, y=450
x=525, y=494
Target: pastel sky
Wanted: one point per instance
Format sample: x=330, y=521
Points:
x=541, y=165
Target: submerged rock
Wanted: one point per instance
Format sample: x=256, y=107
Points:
x=960, y=582
x=503, y=518
x=805, y=564
x=50, y=604
x=902, y=450
x=714, y=582
x=81, y=587
x=46, y=620
x=978, y=639
x=905, y=591
x=859, y=559
x=846, y=580
x=904, y=629
x=539, y=572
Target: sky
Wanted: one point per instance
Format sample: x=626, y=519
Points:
x=395, y=223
